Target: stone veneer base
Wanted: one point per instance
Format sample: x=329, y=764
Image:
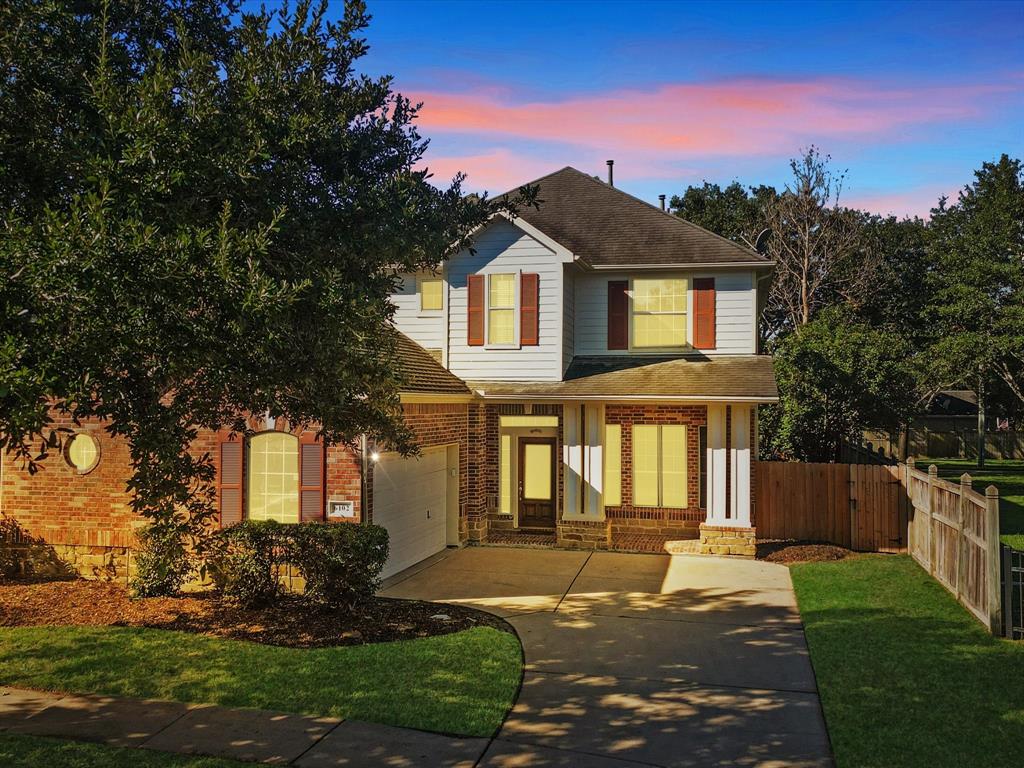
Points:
x=723, y=540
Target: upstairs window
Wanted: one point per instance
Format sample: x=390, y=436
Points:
x=659, y=313
x=431, y=294
x=501, y=309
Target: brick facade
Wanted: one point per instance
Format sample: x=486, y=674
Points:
x=86, y=520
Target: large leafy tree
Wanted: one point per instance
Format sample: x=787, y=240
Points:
x=977, y=287
x=837, y=377
x=202, y=216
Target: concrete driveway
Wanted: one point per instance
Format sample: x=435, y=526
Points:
x=641, y=659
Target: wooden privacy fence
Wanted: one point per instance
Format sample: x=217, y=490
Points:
x=953, y=533
x=950, y=529
x=858, y=506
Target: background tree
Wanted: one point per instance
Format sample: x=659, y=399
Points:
x=977, y=289
x=837, y=376
x=830, y=260
x=816, y=246
x=736, y=212
x=202, y=214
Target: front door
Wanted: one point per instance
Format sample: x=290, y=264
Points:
x=536, y=482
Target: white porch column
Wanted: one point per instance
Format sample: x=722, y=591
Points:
x=715, y=461
x=572, y=458
x=593, y=460
x=739, y=459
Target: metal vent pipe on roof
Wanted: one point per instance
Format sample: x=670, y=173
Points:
x=611, y=175
x=661, y=199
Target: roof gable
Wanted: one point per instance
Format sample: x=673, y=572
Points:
x=605, y=227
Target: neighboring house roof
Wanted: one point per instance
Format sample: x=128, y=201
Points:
x=422, y=373
x=741, y=377
x=605, y=227
x=954, y=402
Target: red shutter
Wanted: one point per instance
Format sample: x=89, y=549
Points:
x=230, y=459
x=311, y=477
x=704, y=313
x=618, y=314
x=475, y=311
x=529, y=310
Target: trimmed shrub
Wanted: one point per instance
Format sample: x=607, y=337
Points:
x=340, y=562
x=162, y=562
x=245, y=564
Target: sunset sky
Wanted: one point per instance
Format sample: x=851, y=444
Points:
x=910, y=97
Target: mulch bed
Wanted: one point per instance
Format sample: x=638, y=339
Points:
x=787, y=552
x=292, y=622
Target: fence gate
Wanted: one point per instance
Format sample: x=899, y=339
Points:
x=1013, y=592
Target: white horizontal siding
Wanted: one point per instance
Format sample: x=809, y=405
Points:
x=735, y=309
x=425, y=328
x=735, y=313
x=568, y=316
x=504, y=248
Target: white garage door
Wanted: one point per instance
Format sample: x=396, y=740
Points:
x=409, y=499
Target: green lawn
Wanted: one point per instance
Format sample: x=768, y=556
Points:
x=18, y=751
x=461, y=683
x=907, y=676
x=1007, y=476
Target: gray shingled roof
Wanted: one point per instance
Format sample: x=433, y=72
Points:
x=748, y=377
x=604, y=226
x=422, y=373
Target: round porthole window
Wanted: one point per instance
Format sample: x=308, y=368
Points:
x=82, y=452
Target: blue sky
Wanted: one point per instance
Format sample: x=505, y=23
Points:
x=910, y=97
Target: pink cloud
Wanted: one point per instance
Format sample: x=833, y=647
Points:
x=495, y=171
x=917, y=201
x=741, y=117
x=500, y=169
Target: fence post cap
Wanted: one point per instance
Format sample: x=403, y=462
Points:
x=911, y=461
x=965, y=479
x=933, y=470
x=992, y=492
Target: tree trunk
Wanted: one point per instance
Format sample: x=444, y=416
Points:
x=981, y=424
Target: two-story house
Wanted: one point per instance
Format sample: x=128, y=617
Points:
x=612, y=349
x=587, y=375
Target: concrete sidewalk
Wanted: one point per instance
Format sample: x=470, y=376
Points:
x=240, y=734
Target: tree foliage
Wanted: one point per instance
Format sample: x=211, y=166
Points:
x=833, y=266
x=202, y=214
x=977, y=286
x=837, y=376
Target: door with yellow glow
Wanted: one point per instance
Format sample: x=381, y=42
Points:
x=537, y=482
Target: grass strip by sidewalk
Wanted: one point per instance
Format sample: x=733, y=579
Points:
x=907, y=677
x=20, y=751
x=462, y=683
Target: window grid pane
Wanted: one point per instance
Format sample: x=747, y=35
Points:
x=505, y=477
x=502, y=291
x=645, y=465
x=273, y=487
x=431, y=295
x=612, y=465
x=501, y=326
x=673, y=466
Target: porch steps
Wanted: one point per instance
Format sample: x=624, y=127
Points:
x=519, y=539
x=652, y=542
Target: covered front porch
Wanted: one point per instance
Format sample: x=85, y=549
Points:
x=628, y=475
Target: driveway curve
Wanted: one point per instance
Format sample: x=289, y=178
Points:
x=641, y=660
